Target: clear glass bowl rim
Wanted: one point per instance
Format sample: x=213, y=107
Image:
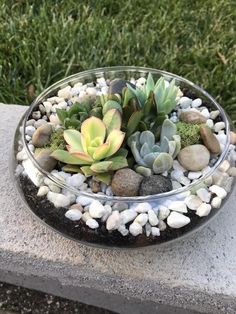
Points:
x=98, y=72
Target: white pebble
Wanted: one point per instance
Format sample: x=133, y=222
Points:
x=162, y=225
x=177, y=220
x=214, y=114
x=65, y=92
x=96, y=209
x=62, y=105
x=196, y=102
x=205, y=112
x=184, y=180
x=178, y=206
x=155, y=232
x=22, y=155
x=70, y=195
x=113, y=221
x=29, y=130
x=203, y=210
x=73, y=214
x=210, y=123
x=193, y=202
x=92, y=223
x=59, y=200
x=43, y=190
x=216, y=202
x=224, y=166
x=219, y=191
x=91, y=91
x=107, y=213
x=208, y=181
x=47, y=106
x=177, y=166
x=122, y=229
x=19, y=169
x=152, y=217
x=141, y=219
x=148, y=229
x=176, y=185
x=143, y=207
x=135, y=229
x=83, y=200
x=176, y=174
x=163, y=212
x=219, y=126
x=185, y=102
x=193, y=175
x=86, y=216
x=128, y=215
x=232, y=171
x=204, y=195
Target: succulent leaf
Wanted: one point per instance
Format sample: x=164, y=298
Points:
x=118, y=162
x=149, y=84
x=133, y=122
x=145, y=149
x=112, y=120
x=73, y=139
x=147, y=137
x=101, y=151
x=162, y=163
x=102, y=166
x=168, y=129
x=72, y=168
x=111, y=104
x=62, y=114
x=172, y=147
x=128, y=95
x=149, y=159
x=92, y=128
x=144, y=171
x=115, y=140
x=177, y=140
x=67, y=158
x=104, y=177
x=164, y=145
x=136, y=154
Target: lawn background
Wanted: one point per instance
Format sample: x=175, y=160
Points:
x=44, y=41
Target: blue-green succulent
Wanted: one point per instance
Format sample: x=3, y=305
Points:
x=154, y=157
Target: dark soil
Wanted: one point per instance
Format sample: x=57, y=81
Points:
x=22, y=300
x=55, y=217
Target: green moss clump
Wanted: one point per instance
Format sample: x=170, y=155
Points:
x=57, y=140
x=189, y=133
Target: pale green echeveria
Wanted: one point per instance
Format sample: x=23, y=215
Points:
x=165, y=94
x=96, y=148
x=155, y=156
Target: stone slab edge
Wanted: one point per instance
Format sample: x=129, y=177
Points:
x=101, y=277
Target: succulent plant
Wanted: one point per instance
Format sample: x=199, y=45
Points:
x=96, y=148
x=157, y=157
x=77, y=113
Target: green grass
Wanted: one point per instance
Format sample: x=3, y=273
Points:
x=44, y=41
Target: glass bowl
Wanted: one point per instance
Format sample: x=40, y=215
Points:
x=78, y=230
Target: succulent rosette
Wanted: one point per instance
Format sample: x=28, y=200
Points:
x=96, y=149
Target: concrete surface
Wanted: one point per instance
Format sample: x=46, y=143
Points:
x=195, y=275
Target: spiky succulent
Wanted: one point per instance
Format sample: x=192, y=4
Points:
x=77, y=113
x=96, y=148
x=143, y=108
x=155, y=157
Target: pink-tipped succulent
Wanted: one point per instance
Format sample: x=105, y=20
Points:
x=96, y=149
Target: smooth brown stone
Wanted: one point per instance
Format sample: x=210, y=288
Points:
x=45, y=161
x=41, y=136
x=209, y=140
x=194, y=157
x=126, y=182
x=192, y=117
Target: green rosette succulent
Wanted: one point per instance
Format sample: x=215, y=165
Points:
x=151, y=157
x=96, y=149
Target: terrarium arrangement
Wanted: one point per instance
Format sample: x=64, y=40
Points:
x=125, y=161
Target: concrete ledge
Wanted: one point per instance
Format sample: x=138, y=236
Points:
x=195, y=275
